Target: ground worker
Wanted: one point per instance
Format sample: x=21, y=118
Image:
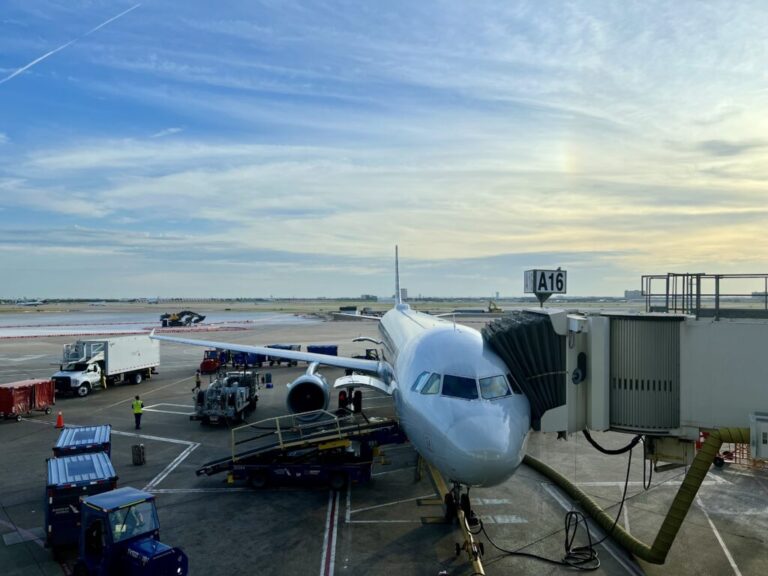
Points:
x=197, y=382
x=138, y=408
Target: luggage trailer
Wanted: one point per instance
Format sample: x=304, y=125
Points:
x=334, y=450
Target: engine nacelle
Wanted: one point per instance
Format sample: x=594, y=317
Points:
x=308, y=392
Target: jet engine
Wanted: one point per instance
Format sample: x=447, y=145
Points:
x=308, y=392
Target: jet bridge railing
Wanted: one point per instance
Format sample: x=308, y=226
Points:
x=707, y=295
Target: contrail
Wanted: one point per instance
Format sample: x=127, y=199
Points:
x=52, y=52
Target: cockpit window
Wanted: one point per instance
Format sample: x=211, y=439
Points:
x=494, y=387
x=513, y=383
x=459, y=387
x=432, y=386
x=420, y=380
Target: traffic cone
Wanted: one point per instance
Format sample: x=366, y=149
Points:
x=59, y=421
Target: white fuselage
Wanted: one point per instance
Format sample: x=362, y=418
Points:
x=474, y=438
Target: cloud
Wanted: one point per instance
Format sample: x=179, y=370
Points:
x=167, y=132
x=730, y=148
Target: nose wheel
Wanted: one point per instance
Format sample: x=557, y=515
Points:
x=456, y=500
x=458, y=506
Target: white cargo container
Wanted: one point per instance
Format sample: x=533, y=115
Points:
x=89, y=364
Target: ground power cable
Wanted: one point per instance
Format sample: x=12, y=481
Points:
x=582, y=558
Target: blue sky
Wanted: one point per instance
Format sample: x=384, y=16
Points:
x=282, y=148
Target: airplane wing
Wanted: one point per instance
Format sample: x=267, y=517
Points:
x=358, y=316
x=359, y=364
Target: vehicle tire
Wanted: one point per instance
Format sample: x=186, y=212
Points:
x=258, y=479
x=18, y=417
x=48, y=410
x=338, y=480
x=464, y=503
x=450, y=507
x=719, y=462
x=84, y=390
x=138, y=378
x=357, y=401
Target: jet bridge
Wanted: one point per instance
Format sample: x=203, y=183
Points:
x=667, y=374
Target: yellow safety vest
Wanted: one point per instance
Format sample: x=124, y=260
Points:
x=137, y=406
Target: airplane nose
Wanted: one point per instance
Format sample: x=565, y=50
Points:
x=487, y=450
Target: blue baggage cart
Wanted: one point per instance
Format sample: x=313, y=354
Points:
x=70, y=479
x=83, y=439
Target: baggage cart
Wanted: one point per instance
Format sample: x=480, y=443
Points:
x=84, y=439
x=70, y=479
x=22, y=397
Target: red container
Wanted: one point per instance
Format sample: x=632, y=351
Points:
x=18, y=398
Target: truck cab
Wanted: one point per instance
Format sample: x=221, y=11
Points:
x=120, y=536
x=78, y=377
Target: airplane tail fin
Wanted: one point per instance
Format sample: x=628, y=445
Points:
x=398, y=299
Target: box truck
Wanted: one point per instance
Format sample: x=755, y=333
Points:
x=88, y=364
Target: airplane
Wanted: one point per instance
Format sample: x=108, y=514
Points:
x=453, y=396
x=29, y=302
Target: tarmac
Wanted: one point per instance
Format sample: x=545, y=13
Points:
x=388, y=526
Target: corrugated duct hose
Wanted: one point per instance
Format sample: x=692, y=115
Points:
x=657, y=553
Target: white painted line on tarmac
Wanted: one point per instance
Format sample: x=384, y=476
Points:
x=158, y=438
x=504, y=519
x=635, y=483
x=430, y=495
x=490, y=501
x=24, y=535
x=617, y=553
x=147, y=393
x=172, y=466
x=626, y=512
x=153, y=408
x=731, y=561
x=385, y=522
x=389, y=472
x=328, y=562
x=22, y=358
x=233, y=490
x=397, y=448
x=349, y=502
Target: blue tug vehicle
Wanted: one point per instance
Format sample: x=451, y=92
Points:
x=120, y=536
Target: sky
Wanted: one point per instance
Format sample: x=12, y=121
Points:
x=282, y=148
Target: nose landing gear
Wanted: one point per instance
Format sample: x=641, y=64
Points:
x=467, y=522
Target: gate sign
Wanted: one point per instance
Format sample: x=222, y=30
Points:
x=546, y=281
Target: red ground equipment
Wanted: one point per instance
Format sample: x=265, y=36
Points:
x=19, y=398
x=213, y=360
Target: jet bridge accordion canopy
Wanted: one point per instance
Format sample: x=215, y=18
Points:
x=535, y=356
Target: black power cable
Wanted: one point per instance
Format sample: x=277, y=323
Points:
x=647, y=486
x=582, y=558
x=612, y=452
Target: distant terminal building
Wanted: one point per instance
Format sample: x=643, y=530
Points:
x=633, y=294
x=403, y=294
x=369, y=298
